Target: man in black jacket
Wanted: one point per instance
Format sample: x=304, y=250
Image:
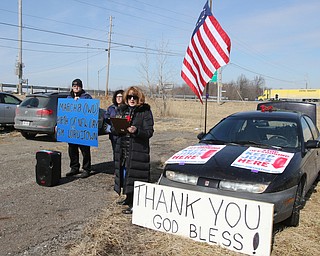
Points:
x=73, y=149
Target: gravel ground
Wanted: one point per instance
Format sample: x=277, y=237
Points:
x=38, y=220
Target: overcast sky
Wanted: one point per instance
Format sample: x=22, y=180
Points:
x=63, y=40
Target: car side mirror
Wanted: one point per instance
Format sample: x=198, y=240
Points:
x=200, y=135
x=312, y=144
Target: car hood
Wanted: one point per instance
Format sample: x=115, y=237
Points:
x=220, y=167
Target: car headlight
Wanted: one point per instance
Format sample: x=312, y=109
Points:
x=243, y=187
x=180, y=177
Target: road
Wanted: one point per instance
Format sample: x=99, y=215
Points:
x=38, y=220
x=31, y=214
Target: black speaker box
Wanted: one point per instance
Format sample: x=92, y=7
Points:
x=48, y=167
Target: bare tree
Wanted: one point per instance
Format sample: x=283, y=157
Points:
x=162, y=61
x=258, y=84
x=231, y=91
x=163, y=84
x=243, y=88
x=145, y=71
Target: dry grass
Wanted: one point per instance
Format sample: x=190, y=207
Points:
x=113, y=234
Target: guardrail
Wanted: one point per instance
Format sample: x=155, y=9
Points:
x=28, y=89
x=31, y=88
x=191, y=97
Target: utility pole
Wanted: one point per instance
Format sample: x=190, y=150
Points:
x=19, y=65
x=306, y=80
x=108, y=64
x=87, y=67
x=219, y=85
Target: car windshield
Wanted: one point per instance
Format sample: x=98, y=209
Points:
x=274, y=133
x=35, y=102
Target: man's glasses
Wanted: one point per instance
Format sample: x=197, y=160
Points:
x=134, y=97
x=75, y=85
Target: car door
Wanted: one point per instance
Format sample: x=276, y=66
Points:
x=312, y=155
x=8, y=108
x=2, y=108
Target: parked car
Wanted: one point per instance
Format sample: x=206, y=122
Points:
x=37, y=114
x=269, y=155
x=8, y=105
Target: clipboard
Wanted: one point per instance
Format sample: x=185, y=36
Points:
x=120, y=124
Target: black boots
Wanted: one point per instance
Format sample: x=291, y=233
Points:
x=123, y=202
x=128, y=210
x=128, y=201
x=72, y=172
x=85, y=174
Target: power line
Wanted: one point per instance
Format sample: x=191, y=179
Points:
x=81, y=37
x=260, y=74
x=155, y=51
x=130, y=15
x=151, y=12
x=58, y=21
x=32, y=50
x=256, y=54
x=52, y=44
x=131, y=46
x=54, y=32
x=65, y=65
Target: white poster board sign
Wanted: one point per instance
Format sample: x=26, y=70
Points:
x=263, y=160
x=197, y=154
x=244, y=226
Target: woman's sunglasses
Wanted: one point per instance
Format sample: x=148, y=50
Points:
x=134, y=97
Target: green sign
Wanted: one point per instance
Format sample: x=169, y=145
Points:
x=214, y=79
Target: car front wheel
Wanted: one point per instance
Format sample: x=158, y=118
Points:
x=53, y=137
x=293, y=220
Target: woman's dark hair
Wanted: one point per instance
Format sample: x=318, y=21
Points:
x=114, y=101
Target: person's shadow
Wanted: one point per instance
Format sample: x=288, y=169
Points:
x=105, y=167
x=108, y=168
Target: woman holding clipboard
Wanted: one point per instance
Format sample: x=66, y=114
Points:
x=112, y=110
x=132, y=149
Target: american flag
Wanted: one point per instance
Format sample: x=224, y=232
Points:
x=208, y=50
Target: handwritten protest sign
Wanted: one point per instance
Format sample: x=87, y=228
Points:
x=244, y=226
x=198, y=154
x=263, y=160
x=77, y=121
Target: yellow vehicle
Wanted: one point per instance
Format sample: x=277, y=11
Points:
x=291, y=94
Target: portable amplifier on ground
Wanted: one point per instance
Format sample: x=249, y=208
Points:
x=48, y=167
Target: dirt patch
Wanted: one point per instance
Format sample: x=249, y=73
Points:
x=113, y=233
x=80, y=217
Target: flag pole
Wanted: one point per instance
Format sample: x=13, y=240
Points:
x=207, y=92
x=206, y=108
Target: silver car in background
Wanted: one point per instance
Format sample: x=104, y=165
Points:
x=8, y=105
x=37, y=114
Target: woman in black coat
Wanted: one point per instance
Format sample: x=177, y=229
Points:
x=132, y=150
